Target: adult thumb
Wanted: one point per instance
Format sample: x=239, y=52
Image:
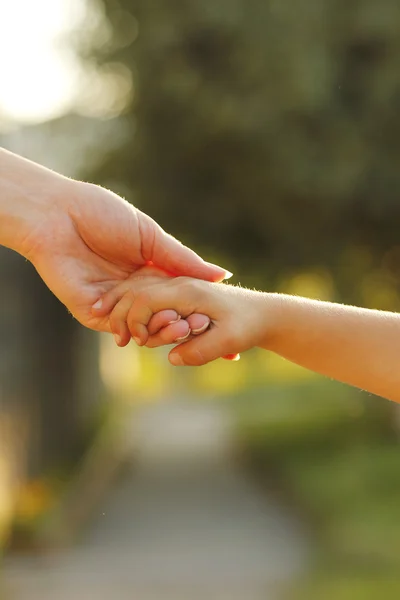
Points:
x=167, y=253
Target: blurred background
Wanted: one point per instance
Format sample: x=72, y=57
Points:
x=264, y=134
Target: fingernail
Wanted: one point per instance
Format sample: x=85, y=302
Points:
x=227, y=275
x=232, y=357
x=182, y=339
x=176, y=320
x=117, y=339
x=176, y=360
x=138, y=341
x=97, y=304
x=201, y=329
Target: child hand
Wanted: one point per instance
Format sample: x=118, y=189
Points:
x=234, y=313
x=166, y=326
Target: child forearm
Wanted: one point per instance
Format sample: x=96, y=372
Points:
x=357, y=346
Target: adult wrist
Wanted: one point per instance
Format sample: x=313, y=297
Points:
x=29, y=194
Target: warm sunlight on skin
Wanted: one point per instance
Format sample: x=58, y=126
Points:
x=38, y=74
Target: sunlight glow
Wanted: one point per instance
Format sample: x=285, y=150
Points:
x=38, y=71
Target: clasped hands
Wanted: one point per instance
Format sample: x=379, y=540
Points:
x=150, y=329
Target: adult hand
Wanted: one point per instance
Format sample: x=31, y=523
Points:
x=84, y=239
x=95, y=240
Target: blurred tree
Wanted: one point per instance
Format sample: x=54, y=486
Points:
x=46, y=384
x=49, y=372
x=264, y=129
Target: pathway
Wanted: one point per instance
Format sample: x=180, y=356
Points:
x=185, y=522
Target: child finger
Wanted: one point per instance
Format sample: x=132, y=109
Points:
x=123, y=337
x=184, y=296
x=162, y=319
x=139, y=316
x=198, y=323
x=118, y=320
x=200, y=350
x=173, y=334
x=107, y=302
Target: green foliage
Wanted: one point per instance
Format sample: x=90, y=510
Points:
x=338, y=586
x=337, y=457
x=298, y=422
x=262, y=128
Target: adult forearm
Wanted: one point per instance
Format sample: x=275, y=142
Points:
x=357, y=346
x=27, y=194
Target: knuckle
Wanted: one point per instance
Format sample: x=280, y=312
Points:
x=130, y=295
x=196, y=285
x=185, y=283
x=132, y=323
x=143, y=298
x=179, y=281
x=114, y=321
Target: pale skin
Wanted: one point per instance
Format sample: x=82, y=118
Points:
x=87, y=243
x=357, y=346
x=84, y=240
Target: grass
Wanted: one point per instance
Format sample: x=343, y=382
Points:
x=336, y=454
x=333, y=585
